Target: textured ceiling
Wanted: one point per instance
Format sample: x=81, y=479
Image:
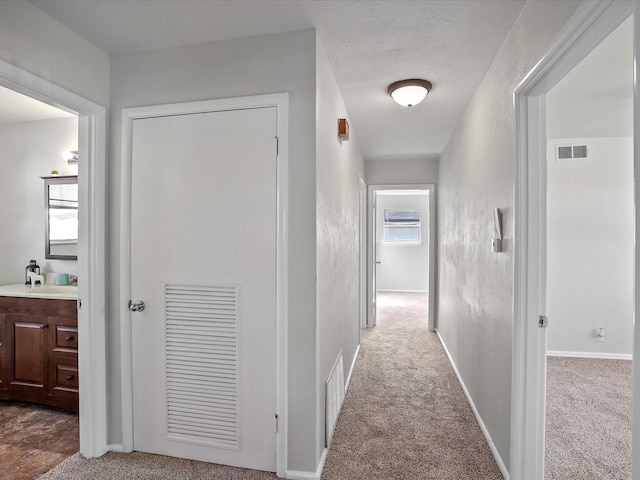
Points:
x=370, y=43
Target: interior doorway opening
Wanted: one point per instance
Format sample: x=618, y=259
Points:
x=590, y=261
x=401, y=232
x=591, y=24
x=91, y=336
x=38, y=315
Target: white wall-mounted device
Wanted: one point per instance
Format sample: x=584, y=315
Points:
x=496, y=243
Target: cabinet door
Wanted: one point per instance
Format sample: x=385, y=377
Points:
x=28, y=369
x=3, y=353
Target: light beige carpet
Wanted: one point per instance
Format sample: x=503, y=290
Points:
x=588, y=419
x=405, y=417
x=145, y=466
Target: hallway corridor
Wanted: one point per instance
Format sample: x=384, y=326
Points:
x=405, y=415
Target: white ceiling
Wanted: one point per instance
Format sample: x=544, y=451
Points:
x=370, y=43
x=15, y=107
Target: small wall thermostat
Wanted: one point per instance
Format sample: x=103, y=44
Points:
x=496, y=243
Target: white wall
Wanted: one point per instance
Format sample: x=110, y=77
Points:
x=590, y=247
x=39, y=44
x=403, y=267
x=401, y=171
x=28, y=151
x=476, y=175
x=339, y=166
x=247, y=66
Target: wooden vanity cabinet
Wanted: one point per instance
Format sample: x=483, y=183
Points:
x=3, y=360
x=39, y=351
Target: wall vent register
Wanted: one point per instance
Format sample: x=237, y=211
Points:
x=566, y=152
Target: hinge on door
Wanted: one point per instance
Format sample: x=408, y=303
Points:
x=79, y=304
x=543, y=321
x=276, y=415
x=277, y=146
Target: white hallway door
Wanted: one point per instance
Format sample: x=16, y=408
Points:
x=203, y=260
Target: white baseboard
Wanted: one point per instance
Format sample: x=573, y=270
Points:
x=302, y=475
x=485, y=432
x=115, y=447
x=353, y=365
x=402, y=291
x=608, y=356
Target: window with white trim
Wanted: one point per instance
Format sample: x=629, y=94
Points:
x=402, y=227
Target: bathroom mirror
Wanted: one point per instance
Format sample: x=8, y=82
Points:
x=61, y=217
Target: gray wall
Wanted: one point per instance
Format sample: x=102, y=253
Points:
x=590, y=247
x=477, y=174
x=35, y=42
x=28, y=151
x=401, y=171
x=339, y=166
x=590, y=202
x=248, y=66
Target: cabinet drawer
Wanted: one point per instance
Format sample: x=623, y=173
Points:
x=66, y=337
x=65, y=377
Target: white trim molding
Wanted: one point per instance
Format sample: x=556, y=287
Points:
x=604, y=356
x=592, y=22
x=301, y=475
x=483, y=428
x=353, y=366
x=92, y=353
x=281, y=102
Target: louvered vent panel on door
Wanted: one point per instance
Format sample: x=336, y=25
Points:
x=201, y=364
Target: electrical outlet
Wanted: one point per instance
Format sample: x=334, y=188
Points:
x=598, y=334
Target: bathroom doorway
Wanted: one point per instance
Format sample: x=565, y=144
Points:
x=91, y=248
x=36, y=140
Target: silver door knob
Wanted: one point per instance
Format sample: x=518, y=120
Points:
x=137, y=306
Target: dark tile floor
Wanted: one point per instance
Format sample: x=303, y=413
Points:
x=34, y=439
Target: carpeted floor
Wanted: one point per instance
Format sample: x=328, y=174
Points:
x=588, y=419
x=34, y=439
x=405, y=417
x=145, y=466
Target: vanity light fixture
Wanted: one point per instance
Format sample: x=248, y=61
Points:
x=409, y=92
x=71, y=156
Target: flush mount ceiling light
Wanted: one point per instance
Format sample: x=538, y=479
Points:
x=409, y=92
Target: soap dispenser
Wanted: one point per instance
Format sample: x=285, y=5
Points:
x=33, y=267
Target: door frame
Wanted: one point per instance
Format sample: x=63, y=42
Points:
x=92, y=353
x=281, y=102
x=362, y=232
x=371, y=235
x=591, y=23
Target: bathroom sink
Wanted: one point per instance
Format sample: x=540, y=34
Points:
x=54, y=289
x=66, y=292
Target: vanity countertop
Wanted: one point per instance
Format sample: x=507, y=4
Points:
x=59, y=292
